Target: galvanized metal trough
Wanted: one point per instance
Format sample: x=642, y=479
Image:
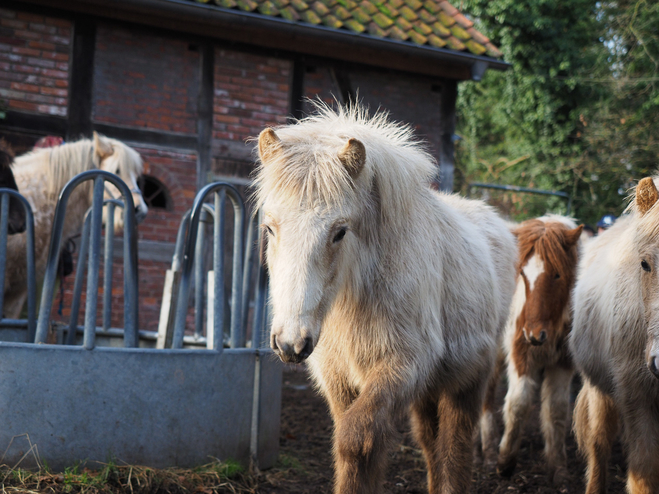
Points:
x=66, y=404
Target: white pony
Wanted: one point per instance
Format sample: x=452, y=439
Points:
x=615, y=345
x=396, y=294
x=41, y=175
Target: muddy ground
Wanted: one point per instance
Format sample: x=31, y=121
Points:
x=305, y=465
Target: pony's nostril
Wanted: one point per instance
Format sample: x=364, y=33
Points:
x=308, y=348
x=273, y=343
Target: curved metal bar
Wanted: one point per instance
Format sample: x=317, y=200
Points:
x=80, y=270
x=191, y=239
x=130, y=256
x=5, y=195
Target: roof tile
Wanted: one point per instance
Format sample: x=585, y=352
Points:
x=460, y=33
x=448, y=8
x=414, y=4
x=441, y=30
x=445, y=19
x=463, y=21
x=475, y=48
x=382, y=20
x=454, y=43
x=435, y=23
x=268, y=8
x=290, y=13
x=310, y=16
x=435, y=41
x=408, y=13
x=331, y=21
x=419, y=39
x=361, y=16
x=355, y=26
x=369, y=7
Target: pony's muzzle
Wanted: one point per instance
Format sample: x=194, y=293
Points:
x=291, y=354
x=536, y=338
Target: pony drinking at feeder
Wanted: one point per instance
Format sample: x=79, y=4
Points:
x=535, y=344
x=394, y=294
x=615, y=345
x=41, y=175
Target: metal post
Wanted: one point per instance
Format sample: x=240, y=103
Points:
x=93, y=264
x=77, y=285
x=199, y=275
x=218, y=271
x=107, y=265
x=184, y=289
x=4, y=226
x=252, y=224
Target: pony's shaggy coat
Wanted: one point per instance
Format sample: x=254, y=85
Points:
x=535, y=343
x=41, y=175
x=395, y=293
x=615, y=343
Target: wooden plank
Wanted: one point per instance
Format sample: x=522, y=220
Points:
x=140, y=135
x=341, y=79
x=447, y=126
x=34, y=124
x=81, y=79
x=205, y=113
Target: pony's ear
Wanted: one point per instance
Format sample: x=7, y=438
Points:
x=646, y=195
x=102, y=146
x=268, y=144
x=573, y=236
x=353, y=157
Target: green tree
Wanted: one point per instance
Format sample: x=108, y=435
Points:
x=553, y=121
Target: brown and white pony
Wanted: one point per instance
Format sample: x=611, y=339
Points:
x=395, y=295
x=535, y=343
x=16, y=212
x=41, y=175
x=615, y=345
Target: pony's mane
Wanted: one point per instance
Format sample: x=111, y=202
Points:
x=546, y=240
x=6, y=154
x=68, y=160
x=307, y=168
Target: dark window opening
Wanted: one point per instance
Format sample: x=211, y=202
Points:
x=155, y=194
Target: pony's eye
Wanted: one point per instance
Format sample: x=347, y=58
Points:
x=645, y=266
x=557, y=276
x=268, y=230
x=339, y=236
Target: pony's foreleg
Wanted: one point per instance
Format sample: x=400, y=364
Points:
x=595, y=427
x=425, y=424
x=13, y=303
x=458, y=414
x=489, y=435
x=641, y=434
x=554, y=416
x=521, y=390
x=362, y=437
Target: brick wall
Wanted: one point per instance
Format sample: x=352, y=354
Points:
x=318, y=84
x=34, y=62
x=144, y=80
x=251, y=93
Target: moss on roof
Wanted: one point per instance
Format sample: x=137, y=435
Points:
x=435, y=23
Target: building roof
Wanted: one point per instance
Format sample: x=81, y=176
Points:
x=429, y=23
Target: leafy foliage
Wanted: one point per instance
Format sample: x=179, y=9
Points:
x=575, y=113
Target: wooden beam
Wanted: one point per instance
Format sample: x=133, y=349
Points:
x=447, y=130
x=138, y=135
x=205, y=113
x=34, y=124
x=295, y=98
x=341, y=79
x=81, y=79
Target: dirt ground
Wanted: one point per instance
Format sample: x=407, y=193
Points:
x=305, y=465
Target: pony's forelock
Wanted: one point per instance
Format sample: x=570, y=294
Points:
x=306, y=167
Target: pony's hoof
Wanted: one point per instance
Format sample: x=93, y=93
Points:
x=559, y=478
x=506, y=468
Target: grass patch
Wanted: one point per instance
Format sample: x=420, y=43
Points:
x=213, y=478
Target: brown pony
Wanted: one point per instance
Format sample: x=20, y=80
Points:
x=535, y=342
